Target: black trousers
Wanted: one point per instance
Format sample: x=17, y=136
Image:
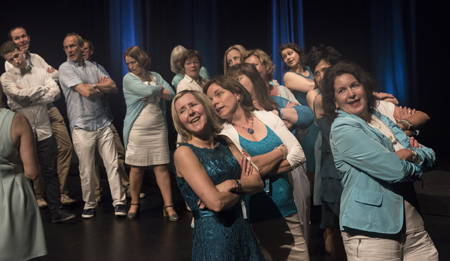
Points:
x=47, y=152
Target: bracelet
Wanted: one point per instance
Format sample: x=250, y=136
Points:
x=281, y=114
x=405, y=123
x=238, y=185
x=284, y=154
x=95, y=87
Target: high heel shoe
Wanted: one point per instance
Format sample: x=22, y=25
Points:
x=173, y=217
x=133, y=215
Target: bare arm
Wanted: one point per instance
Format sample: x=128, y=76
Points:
x=106, y=85
x=88, y=91
x=298, y=83
x=23, y=137
x=189, y=167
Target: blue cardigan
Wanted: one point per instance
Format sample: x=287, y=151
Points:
x=375, y=180
x=134, y=90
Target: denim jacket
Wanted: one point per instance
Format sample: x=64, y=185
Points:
x=375, y=180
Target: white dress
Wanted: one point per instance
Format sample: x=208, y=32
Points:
x=148, y=142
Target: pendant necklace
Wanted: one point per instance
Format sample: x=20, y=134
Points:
x=249, y=130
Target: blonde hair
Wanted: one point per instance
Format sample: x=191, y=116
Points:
x=264, y=59
x=175, y=58
x=139, y=55
x=214, y=121
x=236, y=47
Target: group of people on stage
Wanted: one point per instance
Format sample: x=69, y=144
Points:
x=251, y=154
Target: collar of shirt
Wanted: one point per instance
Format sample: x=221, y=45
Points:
x=17, y=70
x=77, y=64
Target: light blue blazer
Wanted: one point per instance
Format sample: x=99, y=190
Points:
x=375, y=181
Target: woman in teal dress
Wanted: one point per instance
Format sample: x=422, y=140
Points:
x=212, y=177
x=22, y=234
x=300, y=80
x=275, y=152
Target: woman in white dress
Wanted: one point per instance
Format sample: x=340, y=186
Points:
x=145, y=132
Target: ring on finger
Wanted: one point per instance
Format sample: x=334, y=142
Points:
x=409, y=111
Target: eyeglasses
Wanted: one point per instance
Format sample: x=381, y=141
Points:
x=72, y=46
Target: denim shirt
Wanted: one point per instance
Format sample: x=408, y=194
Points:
x=85, y=113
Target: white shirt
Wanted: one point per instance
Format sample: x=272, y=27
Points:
x=38, y=89
x=37, y=61
x=189, y=84
x=387, y=109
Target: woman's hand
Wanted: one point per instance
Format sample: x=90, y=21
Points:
x=246, y=167
x=414, y=143
x=386, y=97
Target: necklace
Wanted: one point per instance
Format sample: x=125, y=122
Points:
x=249, y=130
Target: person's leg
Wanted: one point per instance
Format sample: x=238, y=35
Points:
x=84, y=143
x=136, y=179
x=108, y=152
x=298, y=248
x=419, y=246
x=46, y=150
x=63, y=145
x=163, y=179
x=337, y=246
x=98, y=187
x=367, y=248
x=121, y=157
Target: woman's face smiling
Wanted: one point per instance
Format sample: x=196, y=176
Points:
x=350, y=96
x=192, y=67
x=225, y=102
x=191, y=113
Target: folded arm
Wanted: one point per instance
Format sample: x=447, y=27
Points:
x=23, y=96
x=298, y=83
x=189, y=167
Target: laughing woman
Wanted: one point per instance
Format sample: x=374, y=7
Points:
x=378, y=163
x=144, y=131
x=210, y=171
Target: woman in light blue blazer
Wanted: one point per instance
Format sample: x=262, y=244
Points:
x=378, y=163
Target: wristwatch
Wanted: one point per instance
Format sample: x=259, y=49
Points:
x=95, y=87
x=415, y=156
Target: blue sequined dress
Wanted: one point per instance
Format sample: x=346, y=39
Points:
x=224, y=235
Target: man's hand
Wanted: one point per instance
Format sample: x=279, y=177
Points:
x=50, y=70
x=102, y=79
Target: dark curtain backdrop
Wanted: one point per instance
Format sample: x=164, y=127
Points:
x=358, y=29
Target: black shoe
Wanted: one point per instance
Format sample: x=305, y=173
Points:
x=88, y=213
x=119, y=210
x=61, y=216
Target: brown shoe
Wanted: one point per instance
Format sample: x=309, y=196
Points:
x=66, y=200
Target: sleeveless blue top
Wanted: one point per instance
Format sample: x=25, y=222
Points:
x=278, y=187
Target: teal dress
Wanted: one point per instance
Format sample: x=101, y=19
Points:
x=308, y=142
x=277, y=200
x=22, y=234
x=223, y=235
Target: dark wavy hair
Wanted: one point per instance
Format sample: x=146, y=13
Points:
x=188, y=55
x=232, y=85
x=261, y=91
x=297, y=49
x=325, y=53
x=328, y=92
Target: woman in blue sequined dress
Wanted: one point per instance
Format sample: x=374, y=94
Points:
x=212, y=177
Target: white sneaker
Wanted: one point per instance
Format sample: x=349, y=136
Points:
x=41, y=203
x=66, y=200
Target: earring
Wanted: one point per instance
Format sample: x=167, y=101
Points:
x=238, y=98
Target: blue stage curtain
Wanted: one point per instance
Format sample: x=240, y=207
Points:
x=393, y=48
x=287, y=27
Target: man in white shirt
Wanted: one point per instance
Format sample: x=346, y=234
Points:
x=29, y=90
x=20, y=36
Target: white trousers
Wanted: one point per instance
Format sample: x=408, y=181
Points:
x=84, y=143
x=415, y=246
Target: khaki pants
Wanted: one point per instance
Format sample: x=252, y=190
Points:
x=122, y=173
x=64, y=148
x=85, y=143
